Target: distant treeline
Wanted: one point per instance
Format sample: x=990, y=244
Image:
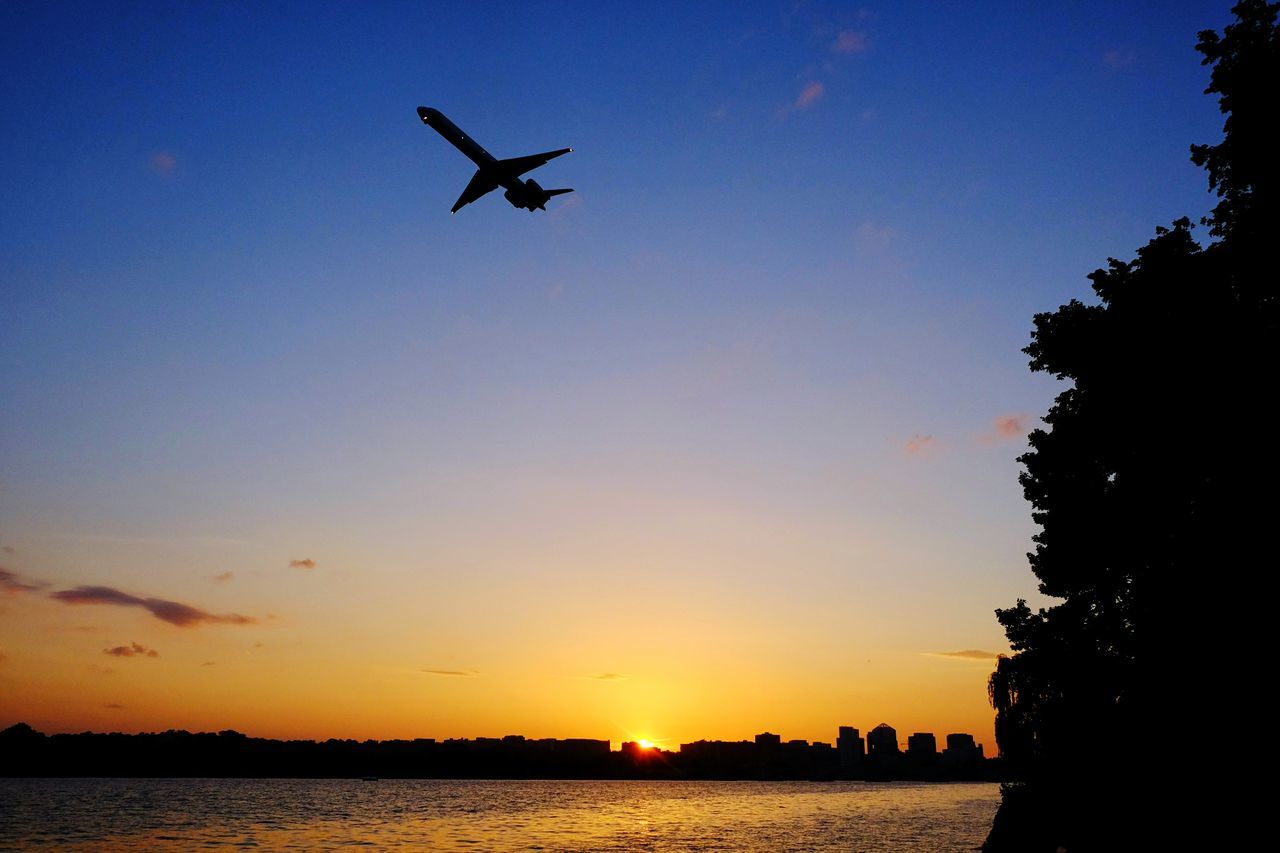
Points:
x=25, y=752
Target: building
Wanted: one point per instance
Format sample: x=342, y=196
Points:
x=882, y=740
x=850, y=747
x=637, y=751
x=961, y=748
x=768, y=739
x=922, y=745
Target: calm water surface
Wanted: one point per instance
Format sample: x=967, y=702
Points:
x=186, y=814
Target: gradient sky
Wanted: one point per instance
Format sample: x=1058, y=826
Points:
x=724, y=442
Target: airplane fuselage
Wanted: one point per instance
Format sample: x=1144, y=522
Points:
x=520, y=193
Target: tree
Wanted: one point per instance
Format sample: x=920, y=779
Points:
x=1153, y=484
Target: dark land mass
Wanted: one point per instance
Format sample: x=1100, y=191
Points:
x=25, y=752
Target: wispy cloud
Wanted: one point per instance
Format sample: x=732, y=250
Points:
x=115, y=706
x=809, y=95
x=461, y=673
x=304, y=563
x=154, y=540
x=132, y=650
x=966, y=654
x=920, y=445
x=1006, y=428
x=851, y=42
x=607, y=676
x=8, y=549
x=1119, y=58
x=173, y=612
x=223, y=577
x=11, y=583
x=872, y=239
x=162, y=163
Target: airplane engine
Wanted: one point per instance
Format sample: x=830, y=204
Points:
x=531, y=196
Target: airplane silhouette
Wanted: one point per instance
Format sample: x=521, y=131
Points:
x=493, y=173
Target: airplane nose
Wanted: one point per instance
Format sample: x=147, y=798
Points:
x=423, y=113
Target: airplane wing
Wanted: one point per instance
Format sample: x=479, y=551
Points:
x=479, y=185
x=517, y=166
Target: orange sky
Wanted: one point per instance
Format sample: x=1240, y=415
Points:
x=338, y=650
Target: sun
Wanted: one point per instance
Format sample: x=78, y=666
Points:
x=645, y=744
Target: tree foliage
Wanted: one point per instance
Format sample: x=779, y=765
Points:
x=1152, y=481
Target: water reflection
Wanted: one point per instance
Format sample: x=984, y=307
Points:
x=104, y=814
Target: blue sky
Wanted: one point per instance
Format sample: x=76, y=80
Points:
x=787, y=298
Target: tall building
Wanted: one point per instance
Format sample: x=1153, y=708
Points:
x=768, y=739
x=882, y=740
x=922, y=745
x=850, y=747
x=960, y=747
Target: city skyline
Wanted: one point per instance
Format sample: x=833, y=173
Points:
x=30, y=752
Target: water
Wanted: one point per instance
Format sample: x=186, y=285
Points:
x=186, y=814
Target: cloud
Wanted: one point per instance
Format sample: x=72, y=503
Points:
x=1119, y=58
x=173, y=612
x=609, y=676
x=304, y=563
x=966, y=654
x=12, y=584
x=224, y=577
x=115, y=706
x=870, y=238
x=463, y=673
x=8, y=549
x=155, y=540
x=162, y=163
x=809, y=95
x=719, y=113
x=851, y=42
x=1006, y=428
x=920, y=445
x=132, y=650
x=3, y=657
x=1011, y=426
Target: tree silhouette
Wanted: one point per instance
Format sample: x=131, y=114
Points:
x=1153, y=485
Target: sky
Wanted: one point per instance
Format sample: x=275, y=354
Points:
x=725, y=441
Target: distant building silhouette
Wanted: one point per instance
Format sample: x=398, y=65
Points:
x=882, y=741
x=851, y=749
x=26, y=752
x=961, y=752
x=636, y=750
x=922, y=745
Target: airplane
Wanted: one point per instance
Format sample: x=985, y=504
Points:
x=493, y=173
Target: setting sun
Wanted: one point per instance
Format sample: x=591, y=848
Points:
x=645, y=744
